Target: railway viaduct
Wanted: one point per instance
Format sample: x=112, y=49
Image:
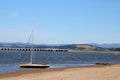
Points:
x=34, y=49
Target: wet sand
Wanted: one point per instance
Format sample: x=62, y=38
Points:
x=106, y=72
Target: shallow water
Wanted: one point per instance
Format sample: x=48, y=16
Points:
x=9, y=60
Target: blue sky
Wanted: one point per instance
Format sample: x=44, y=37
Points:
x=60, y=21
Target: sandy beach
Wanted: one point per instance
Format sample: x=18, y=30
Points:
x=108, y=72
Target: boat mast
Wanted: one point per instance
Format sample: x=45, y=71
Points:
x=32, y=46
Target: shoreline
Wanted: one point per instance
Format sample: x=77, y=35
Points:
x=10, y=67
x=72, y=73
x=114, y=52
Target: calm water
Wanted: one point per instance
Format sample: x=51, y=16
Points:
x=9, y=60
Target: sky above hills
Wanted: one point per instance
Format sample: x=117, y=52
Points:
x=60, y=21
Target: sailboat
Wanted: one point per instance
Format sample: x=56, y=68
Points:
x=31, y=64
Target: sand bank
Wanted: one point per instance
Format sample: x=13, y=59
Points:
x=111, y=72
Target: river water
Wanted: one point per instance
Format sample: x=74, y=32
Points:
x=9, y=60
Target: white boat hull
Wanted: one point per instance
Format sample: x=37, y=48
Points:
x=34, y=65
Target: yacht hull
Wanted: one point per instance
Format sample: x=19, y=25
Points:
x=34, y=65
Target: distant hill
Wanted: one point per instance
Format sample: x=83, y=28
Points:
x=78, y=47
x=92, y=46
x=107, y=45
x=69, y=46
x=13, y=45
